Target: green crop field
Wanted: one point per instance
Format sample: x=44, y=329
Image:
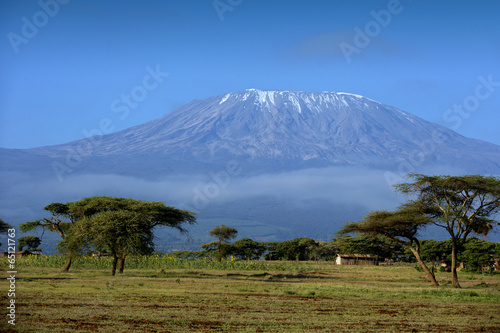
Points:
x=164, y=294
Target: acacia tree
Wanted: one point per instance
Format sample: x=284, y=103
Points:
x=297, y=249
x=118, y=232
x=4, y=228
x=401, y=226
x=224, y=234
x=478, y=253
x=323, y=250
x=247, y=248
x=121, y=226
x=374, y=245
x=211, y=249
x=272, y=253
x=59, y=222
x=462, y=205
x=435, y=251
x=30, y=242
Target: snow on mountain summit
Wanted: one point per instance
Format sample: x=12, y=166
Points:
x=312, y=101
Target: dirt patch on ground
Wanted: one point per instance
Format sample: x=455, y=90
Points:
x=206, y=325
x=138, y=322
x=78, y=325
x=64, y=305
x=389, y=312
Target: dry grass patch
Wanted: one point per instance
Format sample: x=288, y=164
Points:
x=323, y=298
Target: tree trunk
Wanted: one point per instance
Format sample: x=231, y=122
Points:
x=424, y=267
x=454, y=275
x=115, y=261
x=121, y=265
x=68, y=265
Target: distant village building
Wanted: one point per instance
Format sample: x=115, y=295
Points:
x=356, y=259
x=446, y=264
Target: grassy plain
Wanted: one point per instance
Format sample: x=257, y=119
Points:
x=297, y=297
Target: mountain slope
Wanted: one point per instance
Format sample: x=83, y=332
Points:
x=270, y=131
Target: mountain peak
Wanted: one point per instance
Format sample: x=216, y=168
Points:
x=289, y=129
x=298, y=100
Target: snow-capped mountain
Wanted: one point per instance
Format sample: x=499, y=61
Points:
x=307, y=161
x=268, y=131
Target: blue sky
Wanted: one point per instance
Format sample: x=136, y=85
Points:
x=66, y=64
